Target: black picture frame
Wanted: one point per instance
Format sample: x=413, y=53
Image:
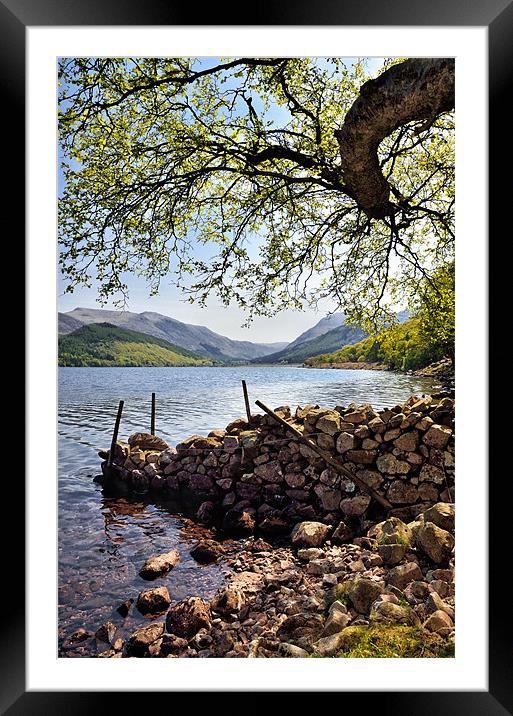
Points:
x=497, y=16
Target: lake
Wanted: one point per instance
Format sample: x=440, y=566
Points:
x=103, y=540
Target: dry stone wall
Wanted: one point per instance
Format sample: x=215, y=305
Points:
x=256, y=475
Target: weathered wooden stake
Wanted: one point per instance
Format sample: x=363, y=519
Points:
x=152, y=430
x=115, y=433
x=327, y=457
x=246, y=400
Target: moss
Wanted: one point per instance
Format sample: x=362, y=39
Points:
x=393, y=641
x=337, y=594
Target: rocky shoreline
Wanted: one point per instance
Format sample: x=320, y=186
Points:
x=342, y=539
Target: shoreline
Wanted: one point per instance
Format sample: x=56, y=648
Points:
x=317, y=569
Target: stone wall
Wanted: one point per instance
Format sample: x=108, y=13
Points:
x=256, y=475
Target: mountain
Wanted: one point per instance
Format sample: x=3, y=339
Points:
x=325, y=343
x=199, y=339
x=326, y=324
x=68, y=324
x=102, y=344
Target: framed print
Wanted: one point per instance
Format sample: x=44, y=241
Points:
x=250, y=214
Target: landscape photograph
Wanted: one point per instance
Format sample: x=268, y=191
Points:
x=256, y=357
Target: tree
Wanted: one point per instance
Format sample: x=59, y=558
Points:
x=345, y=183
x=437, y=311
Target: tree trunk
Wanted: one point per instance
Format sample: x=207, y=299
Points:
x=418, y=89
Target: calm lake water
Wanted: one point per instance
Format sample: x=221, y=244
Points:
x=103, y=540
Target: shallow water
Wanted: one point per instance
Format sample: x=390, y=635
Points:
x=103, y=540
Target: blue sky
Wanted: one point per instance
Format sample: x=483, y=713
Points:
x=228, y=321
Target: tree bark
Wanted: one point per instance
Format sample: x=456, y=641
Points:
x=414, y=90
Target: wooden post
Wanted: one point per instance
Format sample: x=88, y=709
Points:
x=246, y=400
x=115, y=433
x=152, y=429
x=327, y=457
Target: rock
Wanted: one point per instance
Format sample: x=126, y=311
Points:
x=309, y=534
x=159, y=564
x=153, y=601
x=201, y=484
x=329, y=499
x=228, y=601
x=145, y=441
x=206, y=512
x=370, y=477
x=434, y=603
x=403, y=574
x=269, y=471
x=274, y=524
x=388, y=612
x=206, y=551
x=309, y=553
x=140, y=641
x=78, y=636
x=442, y=515
x=391, y=531
x=329, y=645
x=428, y=492
x=355, y=506
x=363, y=592
x=326, y=442
x=392, y=553
x=388, y=464
x=377, y=426
x=336, y=621
x=356, y=417
x=345, y=442
x=124, y=607
x=290, y=651
x=407, y=442
x=329, y=423
x=402, y=493
x=362, y=457
x=304, y=625
x=238, y=522
x=187, y=617
x=390, y=435
x=106, y=632
x=440, y=623
x=172, y=644
x=431, y=473
x=342, y=533
x=437, y=436
x=435, y=542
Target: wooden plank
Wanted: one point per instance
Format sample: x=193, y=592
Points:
x=152, y=428
x=327, y=457
x=246, y=400
x=115, y=432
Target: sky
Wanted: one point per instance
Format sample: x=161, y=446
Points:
x=227, y=321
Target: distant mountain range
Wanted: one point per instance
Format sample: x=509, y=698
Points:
x=326, y=336
x=199, y=339
x=102, y=344
x=323, y=343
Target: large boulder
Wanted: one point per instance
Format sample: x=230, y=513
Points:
x=229, y=600
x=388, y=612
x=146, y=441
x=153, y=601
x=140, y=641
x=309, y=534
x=403, y=574
x=435, y=542
x=363, y=592
x=207, y=551
x=442, y=515
x=159, y=564
x=187, y=617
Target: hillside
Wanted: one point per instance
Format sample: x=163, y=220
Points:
x=401, y=347
x=199, y=339
x=327, y=342
x=326, y=324
x=103, y=344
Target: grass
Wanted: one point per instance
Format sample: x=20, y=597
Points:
x=393, y=642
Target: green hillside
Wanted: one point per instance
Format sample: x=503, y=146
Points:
x=102, y=344
x=401, y=347
x=330, y=341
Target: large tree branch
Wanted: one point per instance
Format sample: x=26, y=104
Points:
x=413, y=90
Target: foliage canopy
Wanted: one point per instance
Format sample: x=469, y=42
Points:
x=179, y=164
